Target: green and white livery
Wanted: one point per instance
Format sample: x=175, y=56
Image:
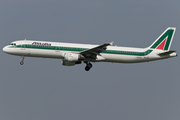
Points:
x=72, y=54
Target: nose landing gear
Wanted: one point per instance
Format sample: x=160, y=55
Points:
x=22, y=62
x=88, y=66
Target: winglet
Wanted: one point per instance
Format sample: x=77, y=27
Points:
x=111, y=43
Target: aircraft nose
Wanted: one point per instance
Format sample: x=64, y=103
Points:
x=5, y=49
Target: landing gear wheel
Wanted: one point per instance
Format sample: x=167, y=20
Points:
x=21, y=62
x=88, y=66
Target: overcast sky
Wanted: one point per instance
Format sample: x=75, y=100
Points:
x=43, y=89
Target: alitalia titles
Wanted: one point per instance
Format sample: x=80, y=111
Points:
x=38, y=43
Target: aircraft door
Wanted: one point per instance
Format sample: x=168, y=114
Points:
x=23, y=46
x=146, y=56
x=57, y=49
x=24, y=49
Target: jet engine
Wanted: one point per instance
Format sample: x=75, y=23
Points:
x=73, y=57
x=70, y=59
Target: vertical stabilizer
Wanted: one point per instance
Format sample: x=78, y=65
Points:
x=163, y=42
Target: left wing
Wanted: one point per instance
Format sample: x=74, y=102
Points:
x=93, y=52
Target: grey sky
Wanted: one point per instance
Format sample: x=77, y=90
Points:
x=44, y=89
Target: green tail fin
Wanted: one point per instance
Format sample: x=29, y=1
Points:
x=163, y=42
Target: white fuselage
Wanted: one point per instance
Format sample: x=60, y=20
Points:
x=44, y=49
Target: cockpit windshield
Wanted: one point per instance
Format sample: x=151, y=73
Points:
x=13, y=44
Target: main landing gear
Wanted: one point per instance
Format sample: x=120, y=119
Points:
x=88, y=66
x=22, y=62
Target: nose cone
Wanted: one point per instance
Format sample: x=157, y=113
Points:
x=5, y=49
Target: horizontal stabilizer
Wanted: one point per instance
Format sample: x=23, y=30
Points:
x=166, y=53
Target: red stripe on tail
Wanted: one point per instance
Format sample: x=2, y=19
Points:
x=161, y=46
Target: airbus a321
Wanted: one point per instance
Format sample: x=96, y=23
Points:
x=72, y=54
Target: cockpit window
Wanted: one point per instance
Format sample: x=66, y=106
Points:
x=13, y=44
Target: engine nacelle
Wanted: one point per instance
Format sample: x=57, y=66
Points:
x=72, y=57
x=70, y=63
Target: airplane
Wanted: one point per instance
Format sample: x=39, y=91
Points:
x=73, y=53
